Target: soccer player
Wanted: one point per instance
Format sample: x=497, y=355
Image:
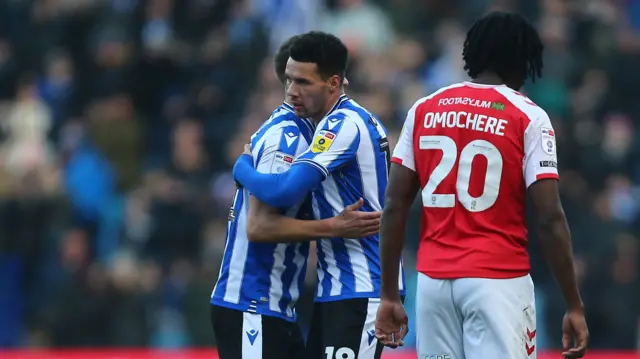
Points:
x=253, y=313
x=348, y=159
x=474, y=150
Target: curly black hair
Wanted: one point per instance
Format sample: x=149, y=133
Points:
x=504, y=43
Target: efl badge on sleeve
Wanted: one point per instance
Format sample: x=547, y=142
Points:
x=281, y=162
x=322, y=141
x=548, y=141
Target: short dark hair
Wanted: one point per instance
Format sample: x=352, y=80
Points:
x=282, y=56
x=504, y=43
x=325, y=50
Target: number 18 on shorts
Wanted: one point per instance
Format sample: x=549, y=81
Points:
x=344, y=329
x=339, y=353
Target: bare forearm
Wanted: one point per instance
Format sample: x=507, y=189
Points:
x=401, y=191
x=392, y=231
x=275, y=229
x=556, y=244
x=266, y=224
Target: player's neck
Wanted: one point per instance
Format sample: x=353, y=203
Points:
x=488, y=78
x=491, y=78
x=330, y=104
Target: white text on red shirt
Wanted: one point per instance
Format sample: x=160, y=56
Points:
x=467, y=120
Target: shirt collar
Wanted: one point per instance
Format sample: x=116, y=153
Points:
x=287, y=106
x=306, y=121
x=339, y=102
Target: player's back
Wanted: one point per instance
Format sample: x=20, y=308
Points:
x=473, y=148
x=265, y=278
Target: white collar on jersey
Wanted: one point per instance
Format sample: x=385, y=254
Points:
x=307, y=121
x=288, y=106
x=339, y=102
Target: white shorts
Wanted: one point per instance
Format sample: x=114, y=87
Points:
x=475, y=318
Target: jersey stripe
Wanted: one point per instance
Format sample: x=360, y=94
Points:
x=239, y=249
x=265, y=278
x=326, y=258
x=355, y=167
x=223, y=276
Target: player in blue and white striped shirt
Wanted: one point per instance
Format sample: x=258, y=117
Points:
x=348, y=159
x=253, y=302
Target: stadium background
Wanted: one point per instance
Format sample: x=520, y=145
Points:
x=120, y=120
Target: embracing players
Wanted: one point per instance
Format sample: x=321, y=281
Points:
x=348, y=159
x=252, y=304
x=474, y=150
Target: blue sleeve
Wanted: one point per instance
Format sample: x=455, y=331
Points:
x=281, y=190
x=334, y=145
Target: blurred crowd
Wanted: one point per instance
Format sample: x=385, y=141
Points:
x=120, y=120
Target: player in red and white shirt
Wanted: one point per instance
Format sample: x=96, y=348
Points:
x=475, y=149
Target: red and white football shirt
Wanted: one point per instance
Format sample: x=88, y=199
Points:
x=476, y=149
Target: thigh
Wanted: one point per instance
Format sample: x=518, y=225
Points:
x=314, y=347
x=297, y=348
x=438, y=321
x=241, y=335
x=348, y=329
x=281, y=339
x=499, y=317
x=227, y=329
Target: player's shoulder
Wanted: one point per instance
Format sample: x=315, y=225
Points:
x=519, y=105
x=340, y=120
x=281, y=116
x=442, y=92
x=354, y=114
x=350, y=110
x=282, y=122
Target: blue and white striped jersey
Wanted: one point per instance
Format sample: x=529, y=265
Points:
x=351, y=149
x=265, y=278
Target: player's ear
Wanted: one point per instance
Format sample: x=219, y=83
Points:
x=335, y=82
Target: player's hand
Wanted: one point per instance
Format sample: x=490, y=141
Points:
x=574, y=328
x=351, y=223
x=391, y=323
x=247, y=150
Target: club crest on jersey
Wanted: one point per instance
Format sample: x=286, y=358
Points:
x=322, y=141
x=548, y=141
